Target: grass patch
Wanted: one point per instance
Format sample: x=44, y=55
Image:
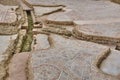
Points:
x=28, y=38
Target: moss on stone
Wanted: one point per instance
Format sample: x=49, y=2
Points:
x=28, y=38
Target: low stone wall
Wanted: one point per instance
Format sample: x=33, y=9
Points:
x=96, y=39
x=59, y=22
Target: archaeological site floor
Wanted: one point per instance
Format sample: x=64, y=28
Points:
x=59, y=40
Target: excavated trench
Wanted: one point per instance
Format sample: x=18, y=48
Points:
x=28, y=38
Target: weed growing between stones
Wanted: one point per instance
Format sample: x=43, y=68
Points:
x=28, y=38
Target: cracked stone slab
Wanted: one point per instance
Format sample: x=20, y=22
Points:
x=111, y=64
x=87, y=12
x=69, y=59
x=103, y=33
x=7, y=14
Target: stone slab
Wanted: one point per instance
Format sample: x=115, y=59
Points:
x=6, y=50
x=24, y=5
x=99, y=33
x=5, y=41
x=9, y=2
x=106, y=30
x=7, y=14
x=68, y=60
x=111, y=64
x=40, y=11
x=43, y=2
x=41, y=41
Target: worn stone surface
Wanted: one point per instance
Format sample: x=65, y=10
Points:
x=102, y=33
x=9, y=19
x=69, y=59
x=111, y=64
x=40, y=11
x=24, y=5
x=5, y=41
x=42, y=2
x=53, y=28
x=86, y=10
x=41, y=41
x=18, y=67
x=7, y=14
x=107, y=30
x=6, y=50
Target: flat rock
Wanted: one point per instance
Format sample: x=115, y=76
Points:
x=5, y=42
x=86, y=10
x=17, y=67
x=68, y=60
x=7, y=14
x=111, y=64
x=40, y=11
x=6, y=49
x=108, y=30
x=41, y=42
x=108, y=33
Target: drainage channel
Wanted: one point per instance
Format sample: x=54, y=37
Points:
x=28, y=38
x=25, y=46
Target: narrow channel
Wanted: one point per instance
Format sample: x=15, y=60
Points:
x=28, y=38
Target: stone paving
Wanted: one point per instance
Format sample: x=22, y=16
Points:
x=101, y=33
x=110, y=65
x=68, y=59
x=71, y=40
x=9, y=19
x=6, y=50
